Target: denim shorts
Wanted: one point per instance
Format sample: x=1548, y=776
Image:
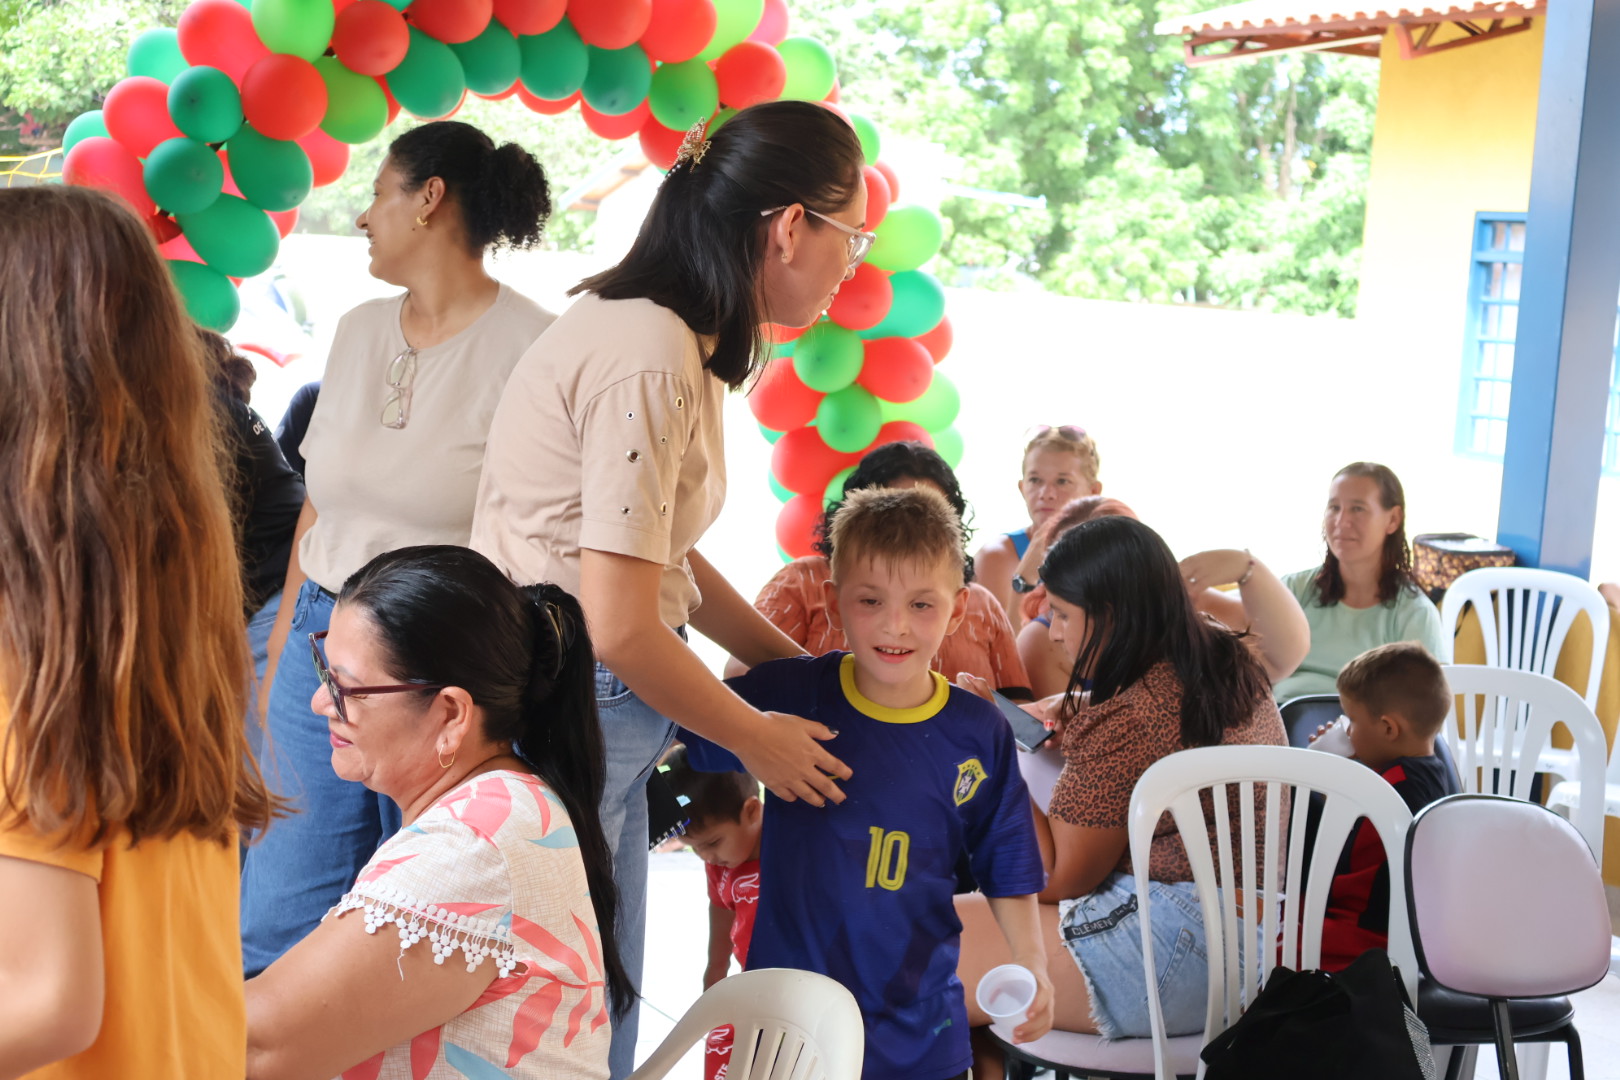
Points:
x=1103, y=933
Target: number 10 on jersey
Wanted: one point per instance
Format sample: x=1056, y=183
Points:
x=886, y=862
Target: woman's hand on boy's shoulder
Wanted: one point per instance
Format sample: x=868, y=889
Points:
x=785, y=754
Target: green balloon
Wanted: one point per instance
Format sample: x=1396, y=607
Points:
x=274, y=174
x=918, y=305
x=183, y=176
x=784, y=349
x=204, y=103
x=156, y=54
x=734, y=20
x=429, y=82
x=835, y=486
x=908, y=237
x=849, y=419
x=617, y=80
x=356, y=107
x=948, y=445
x=210, y=297
x=934, y=411
x=233, y=236
x=867, y=132
x=782, y=494
x=719, y=121
x=811, y=71
x=683, y=94
x=301, y=28
x=85, y=125
x=491, y=60
x=828, y=357
x=770, y=435
x=553, y=64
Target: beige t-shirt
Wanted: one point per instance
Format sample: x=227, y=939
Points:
x=609, y=437
x=376, y=488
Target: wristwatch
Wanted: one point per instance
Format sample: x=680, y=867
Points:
x=1021, y=586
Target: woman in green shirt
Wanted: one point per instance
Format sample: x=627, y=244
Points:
x=1363, y=594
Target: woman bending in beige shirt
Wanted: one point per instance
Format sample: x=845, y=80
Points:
x=606, y=464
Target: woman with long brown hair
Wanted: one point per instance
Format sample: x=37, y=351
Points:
x=1362, y=595
x=124, y=771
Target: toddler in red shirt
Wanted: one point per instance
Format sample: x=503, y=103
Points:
x=725, y=811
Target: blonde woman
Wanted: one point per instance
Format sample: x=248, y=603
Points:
x=123, y=667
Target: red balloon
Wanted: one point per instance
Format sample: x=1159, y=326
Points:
x=832, y=95
x=393, y=102
x=610, y=24
x=678, y=29
x=136, y=113
x=750, y=73
x=802, y=463
x=339, y=6
x=773, y=24
x=780, y=401
x=327, y=156
x=285, y=220
x=180, y=250
x=451, y=21
x=162, y=227
x=863, y=300
x=283, y=97
x=894, y=181
x=878, y=197
x=903, y=431
x=546, y=106
x=616, y=127
x=796, y=524
x=530, y=16
x=220, y=33
x=896, y=369
x=370, y=37
x=938, y=340
x=660, y=144
x=108, y=164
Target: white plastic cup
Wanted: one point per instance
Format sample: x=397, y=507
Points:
x=1336, y=739
x=1006, y=993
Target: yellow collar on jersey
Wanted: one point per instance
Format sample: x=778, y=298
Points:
x=866, y=706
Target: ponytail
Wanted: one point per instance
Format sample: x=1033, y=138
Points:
x=560, y=737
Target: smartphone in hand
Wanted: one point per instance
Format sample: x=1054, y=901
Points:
x=1028, y=732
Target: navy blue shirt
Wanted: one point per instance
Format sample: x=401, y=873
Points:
x=861, y=891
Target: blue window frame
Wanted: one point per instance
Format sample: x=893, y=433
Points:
x=1495, y=274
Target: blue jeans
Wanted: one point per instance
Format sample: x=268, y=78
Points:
x=258, y=633
x=636, y=738
x=1103, y=932
x=304, y=863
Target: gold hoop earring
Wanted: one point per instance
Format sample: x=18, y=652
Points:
x=420, y=221
x=443, y=764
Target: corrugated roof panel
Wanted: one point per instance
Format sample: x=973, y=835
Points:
x=1261, y=16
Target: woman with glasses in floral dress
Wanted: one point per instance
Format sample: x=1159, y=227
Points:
x=606, y=461
x=393, y=452
x=1060, y=464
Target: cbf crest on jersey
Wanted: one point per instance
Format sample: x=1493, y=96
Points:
x=969, y=775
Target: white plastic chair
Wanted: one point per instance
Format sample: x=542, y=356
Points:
x=790, y=1025
x=1506, y=718
x=1273, y=903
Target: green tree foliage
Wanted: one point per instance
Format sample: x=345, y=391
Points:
x=1237, y=184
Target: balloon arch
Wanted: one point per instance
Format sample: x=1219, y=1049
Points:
x=225, y=124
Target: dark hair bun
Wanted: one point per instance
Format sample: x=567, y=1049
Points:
x=502, y=191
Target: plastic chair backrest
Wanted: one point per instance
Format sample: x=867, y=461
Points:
x=1278, y=902
x=790, y=1025
x=1301, y=716
x=1505, y=899
x=1501, y=721
x=1525, y=625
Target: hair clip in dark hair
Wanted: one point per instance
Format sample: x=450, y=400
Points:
x=693, y=146
x=562, y=628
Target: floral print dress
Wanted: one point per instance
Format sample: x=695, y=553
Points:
x=491, y=873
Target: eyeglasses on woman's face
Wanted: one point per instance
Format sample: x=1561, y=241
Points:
x=339, y=692
x=860, y=243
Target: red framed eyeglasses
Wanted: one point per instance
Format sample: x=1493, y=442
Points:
x=339, y=692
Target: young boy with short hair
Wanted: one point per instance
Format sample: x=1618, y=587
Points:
x=723, y=829
x=861, y=891
x=1397, y=700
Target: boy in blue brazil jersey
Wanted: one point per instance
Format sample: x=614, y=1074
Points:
x=861, y=891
